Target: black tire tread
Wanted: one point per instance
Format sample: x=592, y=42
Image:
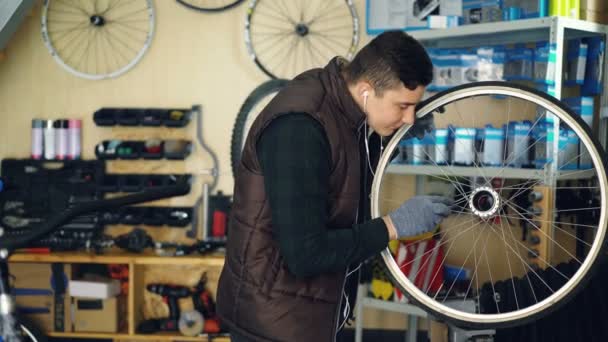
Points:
x=238, y=134
x=203, y=9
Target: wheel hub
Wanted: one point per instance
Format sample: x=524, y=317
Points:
x=97, y=20
x=301, y=30
x=484, y=202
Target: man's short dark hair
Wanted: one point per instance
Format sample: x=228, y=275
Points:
x=391, y=57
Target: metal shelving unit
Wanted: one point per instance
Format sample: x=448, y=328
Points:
x=498, y=172
x=555, y=30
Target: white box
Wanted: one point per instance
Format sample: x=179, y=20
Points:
x=442, y=21
x=100, y=289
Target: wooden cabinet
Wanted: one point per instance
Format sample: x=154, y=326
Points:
x=143, y=269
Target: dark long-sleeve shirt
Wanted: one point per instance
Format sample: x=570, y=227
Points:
x=296, y=160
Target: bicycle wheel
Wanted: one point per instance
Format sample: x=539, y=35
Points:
x=527, y=229
x=97, y=39
x=210, y=5
x=253, y=105
x=285, y=38
x=28, y=331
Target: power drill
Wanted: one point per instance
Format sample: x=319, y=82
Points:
x=171, y=294
x=203, y=303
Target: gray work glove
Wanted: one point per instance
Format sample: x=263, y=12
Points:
x=421, y=127
x=419, y=215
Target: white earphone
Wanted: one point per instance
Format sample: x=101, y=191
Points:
x=365, y=95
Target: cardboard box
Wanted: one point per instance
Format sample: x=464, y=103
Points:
x=438, y=331
x=594, y=5
x=100, y=289
x=600, y=17
x=35, y=295
x=96, y=315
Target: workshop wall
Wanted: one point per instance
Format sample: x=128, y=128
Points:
x=195, y=58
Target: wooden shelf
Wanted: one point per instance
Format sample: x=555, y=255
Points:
x=216, y=259
x=152, y=337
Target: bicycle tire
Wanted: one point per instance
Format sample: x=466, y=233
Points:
x=102, y=28
x=319, y=43
x=239, y=131
x=209, y=9
x=588, y=268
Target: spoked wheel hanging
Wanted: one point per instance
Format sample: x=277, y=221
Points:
x=210, y=5
x=97, y=39
x=522, y=238
x=285, y=38
x=253, y=105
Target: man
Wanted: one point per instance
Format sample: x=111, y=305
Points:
x=300, y=224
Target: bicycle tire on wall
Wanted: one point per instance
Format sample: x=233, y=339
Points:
x=210, y=9
x=238, y=131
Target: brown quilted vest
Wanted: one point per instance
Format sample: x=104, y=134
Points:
x=257, y=296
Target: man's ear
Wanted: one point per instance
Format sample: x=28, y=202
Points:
x=364, y=89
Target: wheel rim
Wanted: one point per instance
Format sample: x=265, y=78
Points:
x=99, y=39
x=522, y=312
x=287, y=38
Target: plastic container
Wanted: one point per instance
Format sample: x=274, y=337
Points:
x=568, y=150
x=493, y=147
x=543, y=135
x=464, y=146
x=74, y=139
x=518, y=143
x=61, y=139
x=440, y=153
x=37, y=138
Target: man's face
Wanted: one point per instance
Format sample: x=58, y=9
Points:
x=395, y=108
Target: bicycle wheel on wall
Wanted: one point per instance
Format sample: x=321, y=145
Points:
x=285, y=38
x=97, y=39
x=528, y=225
x=210, y=5
x=253, y=105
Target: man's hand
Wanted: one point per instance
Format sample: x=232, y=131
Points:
x=421, y=127
x=418, y=215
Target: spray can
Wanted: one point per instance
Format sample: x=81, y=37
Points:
x=37, y=138
x=49, y=140
x=74, y=138
x=61, y=138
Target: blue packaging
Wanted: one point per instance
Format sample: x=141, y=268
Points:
x=512, y=13
x=479, y=135
x=440, y=153
x=482, y=11
x=548, y=89
x=464, y=146
x=593, y=69
x=491, y=63
x=583, y=106
x=543, y=135
x=493, y=147
x=455, y=273
x=519, y=64
x=568, y=150
x=544, y=63
x=518, y=141
x=401, y=157
x=446, y=65
x=576, y=62
x=414, y=151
